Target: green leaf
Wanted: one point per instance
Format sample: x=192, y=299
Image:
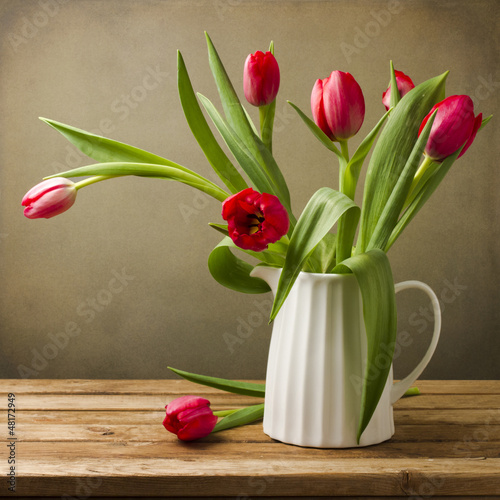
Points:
x=240, y=417
x=395, y=96
x=202, y=133
x=232, y=272
x=422, y=197
x=318, y=133
x=391, y=152
x=243, y=155
x=237, y=120
x=222, y=228
x=395, y=203
x=320, y=214
x=244, y=388
x=485, y=121
x=322, y=260
x=373, y=273
x=149, y=170
x=106, y=150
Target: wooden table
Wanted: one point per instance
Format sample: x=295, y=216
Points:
x=104, y=438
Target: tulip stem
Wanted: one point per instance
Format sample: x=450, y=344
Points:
x=426, y=169
x=224, y=413
x=93, y=180
x=266, y=116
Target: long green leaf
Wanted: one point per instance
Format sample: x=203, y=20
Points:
x=238, y=121
x=390, y=215
x=243, y=155
x=240, y=417
x=106, y=150
x=317, y=132
x=373, y=273
x=148, y=170
x=391, y=152
x=203, y=134
x=244, y=388
x=320, y=214
x=232, y=272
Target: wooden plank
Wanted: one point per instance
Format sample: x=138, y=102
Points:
x=83, y=386
x=152, y=417
x=178, y=386
x=252, y=476
x=129, y=433
x=124, y=402
x=270, y=450
x=154, y=402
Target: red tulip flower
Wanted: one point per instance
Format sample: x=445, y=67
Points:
x=261, y=78
x=404, y=83
x=338, y=105
x=254, y=219
x=49, y=198
x=453, y=126
x=189, y=418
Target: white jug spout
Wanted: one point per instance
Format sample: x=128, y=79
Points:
x=271, y=275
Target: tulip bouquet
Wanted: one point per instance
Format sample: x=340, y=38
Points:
x=420, y=136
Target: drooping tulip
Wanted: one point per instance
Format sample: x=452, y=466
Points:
x=454, y=125
x=261, y=78
x=49, y=198
x=338, y=105
x=404, y=83
x=254, y=219
x=189, y=418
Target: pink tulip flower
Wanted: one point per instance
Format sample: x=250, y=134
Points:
x=49, y=198
x=261, y=78
x=338, y=105
x=254, y=219
x=453, y=126
x=404, y=83
x=189, y=418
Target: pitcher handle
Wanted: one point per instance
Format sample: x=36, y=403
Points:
x=399, y=388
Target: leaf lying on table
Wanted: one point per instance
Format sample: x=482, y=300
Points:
x=240, y=417
x=244, y=388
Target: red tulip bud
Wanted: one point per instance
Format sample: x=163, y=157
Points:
x=261, y=78
x=453, y=126
x=49, y=198
x=338, y=105
x=254, y=219
x=404, y=83
x=189, y=418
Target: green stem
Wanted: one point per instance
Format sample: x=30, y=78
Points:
x=412, y=391
x=417, y=182
x=346, y=227
x=224, y=413
x=266, y=116
x=93, y=180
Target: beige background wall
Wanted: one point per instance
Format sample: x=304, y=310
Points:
x=85, y=62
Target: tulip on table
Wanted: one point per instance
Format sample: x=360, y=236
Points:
x=189, y=418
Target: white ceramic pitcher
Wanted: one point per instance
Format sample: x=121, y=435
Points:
x=317, y=359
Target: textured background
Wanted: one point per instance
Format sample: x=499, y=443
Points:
x=86, y=63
